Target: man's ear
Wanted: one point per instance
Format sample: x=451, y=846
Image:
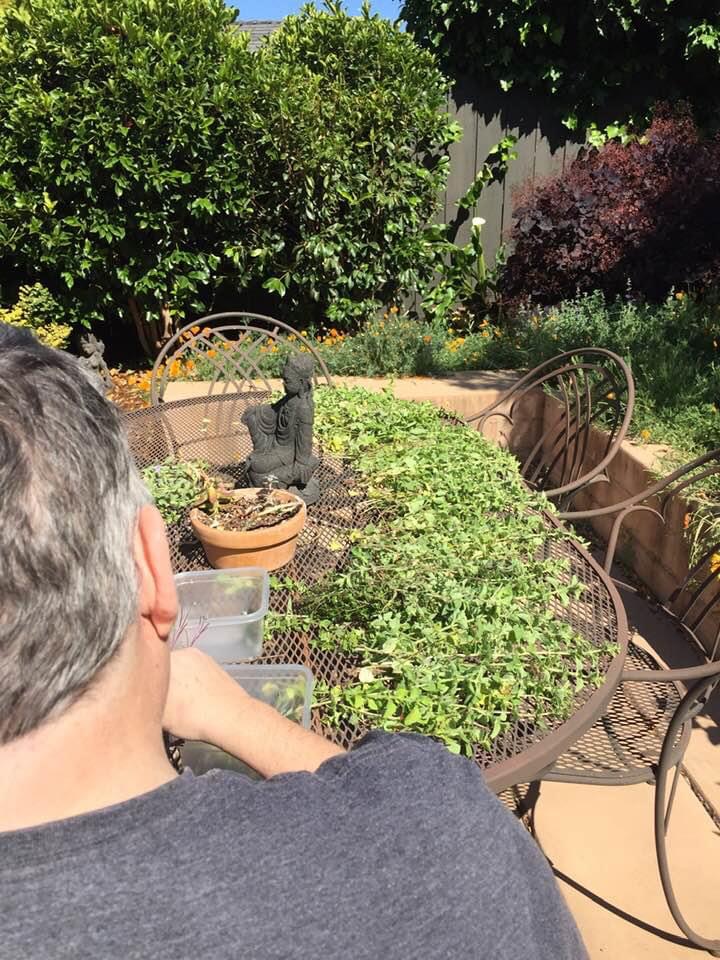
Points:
x=158, y=597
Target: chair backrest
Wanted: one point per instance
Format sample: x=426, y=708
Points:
x=231, y=352
x=683, y=502
x=582, y=389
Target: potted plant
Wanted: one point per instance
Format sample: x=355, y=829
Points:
x=248, y=527
x=252, y=527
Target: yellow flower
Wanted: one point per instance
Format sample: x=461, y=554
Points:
x=175, y=368
x=485, y=333
x=715, y=563
x=393, y=309
x=498, y=333
x=645, y=434
x=611, y=395
x=212, y=353
x=680, y=295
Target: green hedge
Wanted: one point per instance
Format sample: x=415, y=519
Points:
x=147, y=156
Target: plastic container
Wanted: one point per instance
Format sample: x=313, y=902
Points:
x=222, y=612
x=287, y=687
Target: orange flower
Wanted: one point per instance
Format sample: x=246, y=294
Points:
x=715, y=563
x=393, y=309
x=485, y=333
x=212, y=353
x=207, y=332
x=427, y=339
x=175, y=368
x=680, y=295
x=686, y=520
x=195, y=330
x=190, y=365
x=611, y=395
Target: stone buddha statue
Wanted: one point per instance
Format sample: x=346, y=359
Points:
x=282, y=437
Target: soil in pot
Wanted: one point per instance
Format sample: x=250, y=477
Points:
x=252, y=527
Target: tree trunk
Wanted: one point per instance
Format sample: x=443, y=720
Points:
x=167, y=323
x=151, y=339
x=136, y=314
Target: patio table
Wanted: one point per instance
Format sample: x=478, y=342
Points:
x=210, y=428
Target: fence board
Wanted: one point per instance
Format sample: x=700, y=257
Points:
x=486, y=119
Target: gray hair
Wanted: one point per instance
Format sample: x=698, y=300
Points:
x=69, y=495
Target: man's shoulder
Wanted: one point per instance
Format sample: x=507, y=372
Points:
x=408, y=780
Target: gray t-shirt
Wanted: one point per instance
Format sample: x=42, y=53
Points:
x=396, y=850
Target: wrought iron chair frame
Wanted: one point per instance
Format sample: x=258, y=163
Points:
x=565, y=443
x=688, y=606
x=257, y=329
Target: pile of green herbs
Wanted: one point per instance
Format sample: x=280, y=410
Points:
x=445, y=607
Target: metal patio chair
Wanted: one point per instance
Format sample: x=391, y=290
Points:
x=643, y=736
x=231, y=347
x=589, y=387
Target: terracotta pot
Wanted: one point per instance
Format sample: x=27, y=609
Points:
x=268, y=547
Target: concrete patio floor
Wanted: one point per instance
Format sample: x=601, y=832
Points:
x=600, y=840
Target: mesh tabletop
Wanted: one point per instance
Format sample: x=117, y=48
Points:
x=211, y=429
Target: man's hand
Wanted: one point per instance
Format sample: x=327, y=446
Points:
x=197, y=685
x=205, y=703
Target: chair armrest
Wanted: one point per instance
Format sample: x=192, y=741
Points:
x=662, y=675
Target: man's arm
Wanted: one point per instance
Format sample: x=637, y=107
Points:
x=204, y=703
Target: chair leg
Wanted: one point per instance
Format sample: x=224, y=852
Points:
x=663, y=808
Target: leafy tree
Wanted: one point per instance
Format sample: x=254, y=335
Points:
x=600, y=60
x=125, y=152
x=147, y=156
x=353, y=162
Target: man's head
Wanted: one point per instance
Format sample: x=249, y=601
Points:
x=81, y=558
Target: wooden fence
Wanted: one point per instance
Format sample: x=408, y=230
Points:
x=543, y=148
